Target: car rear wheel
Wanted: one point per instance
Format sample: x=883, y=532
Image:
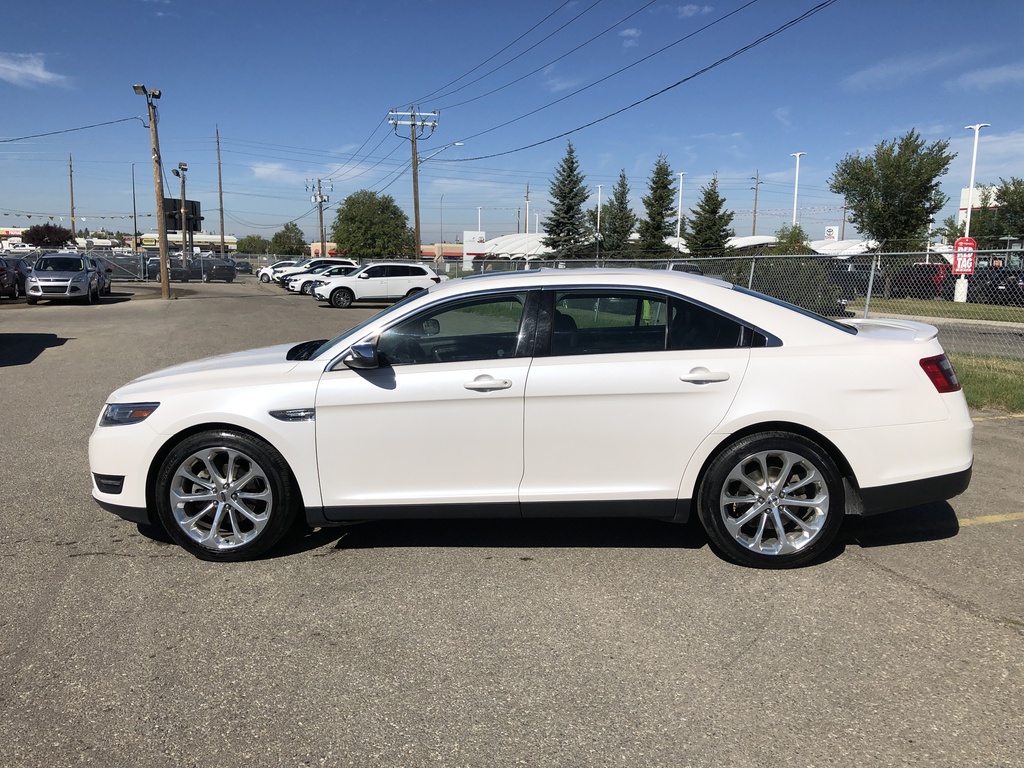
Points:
x=772, y=500
x=341, y=298
x=414, y=291
x=225, y=496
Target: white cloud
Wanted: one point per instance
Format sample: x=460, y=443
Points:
x=690, y=10
x=983, y=79
x=27, y=69
x=278, y=172
x=893, y=73
x=630, y=37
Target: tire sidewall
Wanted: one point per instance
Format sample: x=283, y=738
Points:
x=341, y=298
x=285, y=498
x=728, y=458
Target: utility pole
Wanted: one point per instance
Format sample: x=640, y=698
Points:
x=158, y=185
x=319, y=199
x=757, y=183
x=220, y=196
x=422, y=125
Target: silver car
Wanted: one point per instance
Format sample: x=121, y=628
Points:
x=61, y=276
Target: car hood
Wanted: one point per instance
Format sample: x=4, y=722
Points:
x=235, y=370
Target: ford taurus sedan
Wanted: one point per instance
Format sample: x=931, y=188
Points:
x=570, y=393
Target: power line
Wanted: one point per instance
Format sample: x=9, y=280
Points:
x=72, y=130
x=705, y=70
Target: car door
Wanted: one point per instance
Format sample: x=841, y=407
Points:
x=371, y=283
x=440, y=421
x=617, y=407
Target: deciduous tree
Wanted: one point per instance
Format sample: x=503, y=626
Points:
x=47, y=236
x=288, y=241
x=370, y=225
x=892, y=194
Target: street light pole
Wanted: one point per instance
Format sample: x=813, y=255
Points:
x=974, y=162
x=796, y=183
x=158, y=187
x=598, y=237
x=679, y=215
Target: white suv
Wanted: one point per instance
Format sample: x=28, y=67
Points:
x=265, y=274
x=304, y=265
x=375, y=282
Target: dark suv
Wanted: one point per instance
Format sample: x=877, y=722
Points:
x=9, y=284
x=920, y=281
x=211, y=269
x=996, y=285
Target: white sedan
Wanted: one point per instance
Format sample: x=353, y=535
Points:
x=558, y=393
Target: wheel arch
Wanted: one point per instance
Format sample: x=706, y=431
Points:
x=852, y=489
x=171, y=442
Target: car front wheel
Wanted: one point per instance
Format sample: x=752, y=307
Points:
x=772, y=500
x=264, y=278
x=341, y=298
x=225, y=496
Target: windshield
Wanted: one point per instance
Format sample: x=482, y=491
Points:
x=60, y=264
x=339, y=343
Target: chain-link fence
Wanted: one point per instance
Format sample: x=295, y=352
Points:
x=981, y=314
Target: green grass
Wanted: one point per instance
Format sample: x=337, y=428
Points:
x=938, y=308
x=991, y=383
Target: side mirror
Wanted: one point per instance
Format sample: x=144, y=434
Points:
x=362, y=356
x=431, y=327
x=364, y=276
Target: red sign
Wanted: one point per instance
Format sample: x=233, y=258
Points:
x=965, y=255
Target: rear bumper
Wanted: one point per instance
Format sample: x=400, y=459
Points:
x=887, y=498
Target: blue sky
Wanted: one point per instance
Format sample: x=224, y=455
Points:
x=302, y=90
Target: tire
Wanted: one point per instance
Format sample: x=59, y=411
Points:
x=414, y=291
x=305, y=288
x=13, y=292
x=206, y=277
x=341, y=298
x=264, y=278
x=744, y=523
x=31, y=300
x=208, y=512
x=89, y=295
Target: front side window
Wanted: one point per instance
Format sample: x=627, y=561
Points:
x=480, y=328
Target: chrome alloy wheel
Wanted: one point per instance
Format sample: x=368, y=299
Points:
x=774, y=502
x=220, y=498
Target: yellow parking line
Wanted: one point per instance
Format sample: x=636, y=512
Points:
x=985, y=520
x=1001, y=418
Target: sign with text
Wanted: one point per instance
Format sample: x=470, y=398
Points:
x=965, y=255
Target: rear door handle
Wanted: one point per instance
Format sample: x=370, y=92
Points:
x=704, y=376
x=487, y=383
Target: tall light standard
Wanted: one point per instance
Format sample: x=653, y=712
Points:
x=974, y=162
x=478, y=209
x=598, y=236
x=679, y=215
x=182, y=226
x=796, y=183
x=158, y=187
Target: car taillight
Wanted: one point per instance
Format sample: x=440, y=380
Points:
x=941, y=373
x=435, y=279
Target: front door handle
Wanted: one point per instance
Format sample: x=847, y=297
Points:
x=487, y=383
x=704, y=376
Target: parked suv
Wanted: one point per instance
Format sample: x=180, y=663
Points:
x=376, y=282
x=9, y=286
x=59, y=276
x=920, y=281
x=207, y=269
x=266, y=273
x=305, y=265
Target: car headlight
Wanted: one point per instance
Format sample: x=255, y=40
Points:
x=116, y=414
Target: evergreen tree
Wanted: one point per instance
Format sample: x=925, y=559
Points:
x=565, y=227
x=659, y=205
x=617, y=219
x=709, y=229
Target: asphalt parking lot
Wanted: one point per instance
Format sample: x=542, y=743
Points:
x=463, y=643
